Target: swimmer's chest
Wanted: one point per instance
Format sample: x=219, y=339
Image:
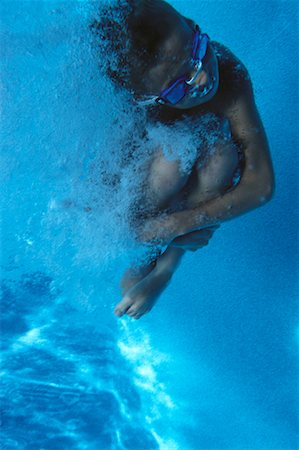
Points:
x=167, y=182
x=166, y=179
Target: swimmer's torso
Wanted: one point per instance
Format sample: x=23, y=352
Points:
x=167, y=186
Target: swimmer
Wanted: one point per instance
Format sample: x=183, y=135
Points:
x=172, y=68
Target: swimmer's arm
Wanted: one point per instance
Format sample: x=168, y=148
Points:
x=254, y=189
x=256, y=186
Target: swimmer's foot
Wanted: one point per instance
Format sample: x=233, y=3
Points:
x=140, y=299
x=132, y=276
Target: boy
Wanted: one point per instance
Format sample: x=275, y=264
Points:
x=174, y=70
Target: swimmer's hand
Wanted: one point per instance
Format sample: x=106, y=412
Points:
x=194, y=240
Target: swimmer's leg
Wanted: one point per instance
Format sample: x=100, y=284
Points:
x=142, y=296
x=135, y=274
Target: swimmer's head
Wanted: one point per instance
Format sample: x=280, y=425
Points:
x=147, y=45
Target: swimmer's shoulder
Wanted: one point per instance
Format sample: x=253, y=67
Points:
x=229, y=63
x=234, y=78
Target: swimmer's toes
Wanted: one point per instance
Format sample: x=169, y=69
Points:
x=137, y=311
x=131, y=312
x=123, y=307
x=136, y=315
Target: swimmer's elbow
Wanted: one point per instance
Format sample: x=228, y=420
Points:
x=269, y=189
x=268, y=183
x=264, y=186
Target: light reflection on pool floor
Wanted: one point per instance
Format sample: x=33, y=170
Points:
x=65, y=386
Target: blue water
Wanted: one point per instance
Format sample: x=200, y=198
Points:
x=214, y=365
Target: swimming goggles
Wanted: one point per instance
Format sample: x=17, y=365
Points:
x=178, y=89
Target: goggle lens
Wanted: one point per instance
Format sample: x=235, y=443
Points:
x=177, y=90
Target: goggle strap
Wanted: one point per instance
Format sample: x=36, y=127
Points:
x=204, y=39
x=195, y=41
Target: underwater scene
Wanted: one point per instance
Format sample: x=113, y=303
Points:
x=214, y=365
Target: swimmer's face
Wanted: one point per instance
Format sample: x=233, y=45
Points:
x=178, y=63
x=205, y=85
